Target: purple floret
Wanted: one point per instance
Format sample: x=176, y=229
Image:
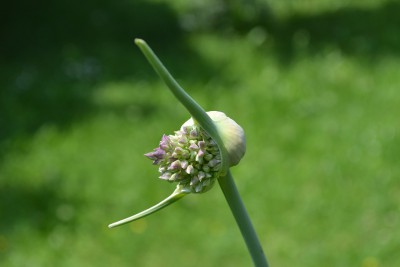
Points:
x=165, y=142
x=157, y=155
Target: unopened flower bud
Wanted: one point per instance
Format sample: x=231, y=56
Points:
x=231, y=133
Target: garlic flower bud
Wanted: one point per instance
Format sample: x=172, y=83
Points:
x=192, y=159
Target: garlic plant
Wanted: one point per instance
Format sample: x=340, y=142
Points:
x=199, y=154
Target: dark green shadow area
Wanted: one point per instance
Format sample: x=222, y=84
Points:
x=54, y=53
x=366, y=34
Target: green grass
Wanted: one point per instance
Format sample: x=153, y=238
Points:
x=319, y=178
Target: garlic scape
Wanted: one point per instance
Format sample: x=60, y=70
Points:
x=199, y=154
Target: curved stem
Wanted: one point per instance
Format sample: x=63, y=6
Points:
x=197, y=112
x=243, y=220
x=175, y=196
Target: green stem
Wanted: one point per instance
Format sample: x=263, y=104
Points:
x=175, y=196
x=243, y=220
x=197, y=112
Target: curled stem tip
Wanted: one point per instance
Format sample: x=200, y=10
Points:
x=175, y=196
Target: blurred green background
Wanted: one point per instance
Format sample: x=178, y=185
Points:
x=315, y=84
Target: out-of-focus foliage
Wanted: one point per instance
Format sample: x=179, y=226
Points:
x=315, y=85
